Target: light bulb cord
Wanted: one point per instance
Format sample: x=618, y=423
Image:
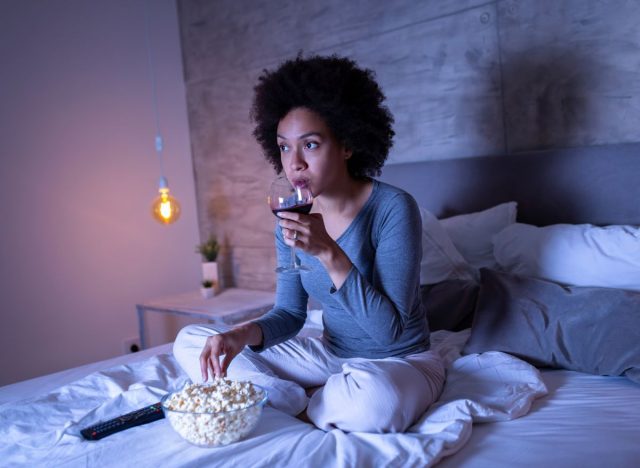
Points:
x=159, y=145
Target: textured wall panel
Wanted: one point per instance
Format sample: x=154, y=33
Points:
x=253, y=267
x=442, y=82
x=219, y=36
x=232, y=178
x=571, y=72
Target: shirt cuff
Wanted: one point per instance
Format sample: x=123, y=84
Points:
x=265, y=338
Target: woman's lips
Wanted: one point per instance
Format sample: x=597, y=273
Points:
x=302, y=183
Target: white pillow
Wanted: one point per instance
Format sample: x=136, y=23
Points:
x=572, y=254
x=472, y=234
x=440, y=259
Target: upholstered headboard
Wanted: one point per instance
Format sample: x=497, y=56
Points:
x=597, y=185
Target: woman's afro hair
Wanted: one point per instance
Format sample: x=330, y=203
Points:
x=346, y=97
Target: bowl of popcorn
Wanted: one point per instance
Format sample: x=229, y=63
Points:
x=215, y=414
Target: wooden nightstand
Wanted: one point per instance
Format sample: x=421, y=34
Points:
x=229, y=307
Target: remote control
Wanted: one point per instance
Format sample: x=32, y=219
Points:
x=126, y=421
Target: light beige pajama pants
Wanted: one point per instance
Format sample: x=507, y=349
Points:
x=366, y=395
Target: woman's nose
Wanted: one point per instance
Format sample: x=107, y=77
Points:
x=297, y=161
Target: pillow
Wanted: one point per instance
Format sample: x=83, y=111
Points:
x=594, y=330
x=574, y=254
x=472, y=234
x=450, y=304
x=440, y=259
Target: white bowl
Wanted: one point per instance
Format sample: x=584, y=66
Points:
x=211, y=428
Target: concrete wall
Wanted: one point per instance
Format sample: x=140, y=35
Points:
x=464, y=78
x=78, y=172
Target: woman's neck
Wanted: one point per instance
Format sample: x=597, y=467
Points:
x=346, y=200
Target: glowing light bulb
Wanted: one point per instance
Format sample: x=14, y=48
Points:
x=165, y=209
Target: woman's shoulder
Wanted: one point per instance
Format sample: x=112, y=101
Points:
x=394, y=210
x=392, y=194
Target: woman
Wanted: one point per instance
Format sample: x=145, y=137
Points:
x=321, y=120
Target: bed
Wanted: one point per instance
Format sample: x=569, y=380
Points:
x=522, y=389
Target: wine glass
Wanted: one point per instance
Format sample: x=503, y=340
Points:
x=285, y=197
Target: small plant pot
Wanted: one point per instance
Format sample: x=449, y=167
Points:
x=210, y=271
x=207, y=292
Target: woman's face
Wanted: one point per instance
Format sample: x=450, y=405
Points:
x=310, y=153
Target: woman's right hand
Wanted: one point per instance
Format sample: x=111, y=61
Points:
x=229, y=345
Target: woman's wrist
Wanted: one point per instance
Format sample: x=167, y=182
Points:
x=250, y=334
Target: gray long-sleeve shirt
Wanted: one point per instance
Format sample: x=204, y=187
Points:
x=377, y=311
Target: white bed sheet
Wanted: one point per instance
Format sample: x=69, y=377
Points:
x=584, y=420
x=41, y=385
x=45, y=428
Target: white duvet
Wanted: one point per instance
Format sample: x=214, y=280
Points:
x=45, y=430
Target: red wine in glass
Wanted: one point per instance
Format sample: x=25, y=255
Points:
x=285, y=197
x=304, y=209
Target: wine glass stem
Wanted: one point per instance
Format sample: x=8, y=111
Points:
x=293, y=257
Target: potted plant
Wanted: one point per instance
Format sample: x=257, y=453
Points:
x=209, y=251
x=206, y=289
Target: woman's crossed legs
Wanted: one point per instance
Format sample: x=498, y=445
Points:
x=365, y=395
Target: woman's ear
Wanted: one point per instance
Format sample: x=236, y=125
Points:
x=347, y=153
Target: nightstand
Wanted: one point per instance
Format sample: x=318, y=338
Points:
x=229, y=307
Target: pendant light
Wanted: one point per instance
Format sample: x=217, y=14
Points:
x=165, y=209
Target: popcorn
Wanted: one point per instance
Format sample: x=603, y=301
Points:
x=216, y=414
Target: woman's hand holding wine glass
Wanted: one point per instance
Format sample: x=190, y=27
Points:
x=283, y=197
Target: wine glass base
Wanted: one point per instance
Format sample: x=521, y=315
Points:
x=292, y=270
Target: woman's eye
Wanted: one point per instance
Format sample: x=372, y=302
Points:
x=311, y=145
x=283, y=148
